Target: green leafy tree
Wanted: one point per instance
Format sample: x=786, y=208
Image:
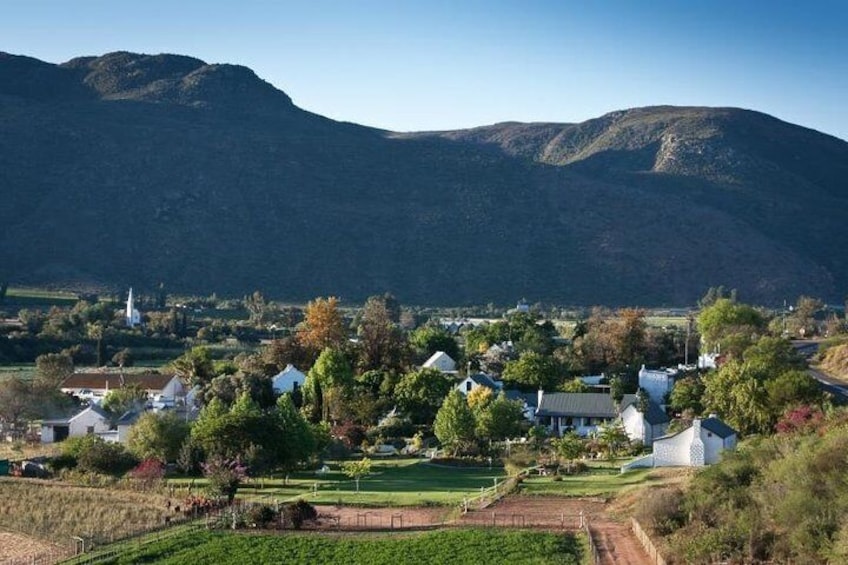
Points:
x=357, y=469
x=730, y=326
x=158, y=436
x=532, y=371
x=195, y=367
x=569, y=447
x=613, y=438
x=296, y=441
x=574, y=385
x=120, y=400
x=430, y=338
x=687, y=394
x=500, y=419
x=419, y=394
x=454, y=424
x=328, y=384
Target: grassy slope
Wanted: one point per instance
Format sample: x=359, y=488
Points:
x=451, y=546
x=393, y=482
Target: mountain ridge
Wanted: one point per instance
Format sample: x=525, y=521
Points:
x=225, y=185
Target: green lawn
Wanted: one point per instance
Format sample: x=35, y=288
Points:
x=40, y=297
x=493, y=547
x=392, y=482
x=603, y=481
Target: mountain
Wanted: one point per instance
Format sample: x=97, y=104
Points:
x=131, y=169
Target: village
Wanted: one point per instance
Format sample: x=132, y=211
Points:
x=343, y=409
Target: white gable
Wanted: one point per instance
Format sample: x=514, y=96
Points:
x=288, y=379
x=440, y=361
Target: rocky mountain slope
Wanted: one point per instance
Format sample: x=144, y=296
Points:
x=134, y=169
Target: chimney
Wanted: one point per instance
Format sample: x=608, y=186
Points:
x=541, y=394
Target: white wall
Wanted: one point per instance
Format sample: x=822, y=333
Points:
x=673, y=451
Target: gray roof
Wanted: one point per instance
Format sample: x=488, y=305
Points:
x=717, y=427
x=483, y=379
x=63, y=421
x=531, y=398
x=655, y=414
x=128, y=418
x=587, y=404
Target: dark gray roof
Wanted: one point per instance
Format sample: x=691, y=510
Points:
x=655, y=414
x=483, y=379
x=589, y=404
x=531, y=398
x=63, y=421
x=128, y=418
x=717, y=427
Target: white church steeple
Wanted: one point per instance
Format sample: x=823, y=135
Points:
x=133, y=317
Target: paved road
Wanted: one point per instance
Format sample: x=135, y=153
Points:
x=837, y=388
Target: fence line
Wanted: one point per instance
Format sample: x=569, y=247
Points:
x=593, y=547
x=647, y=543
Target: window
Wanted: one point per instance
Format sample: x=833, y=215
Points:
x=89, y=430
x=468, y=386
x=295, y=385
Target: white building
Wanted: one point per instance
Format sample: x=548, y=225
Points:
x=288, y=380
x=700, y=444
x=644, y=426
x=442, y=362
x=478, y=380
x=657, y=383
x=132, y=315
x=92, y=420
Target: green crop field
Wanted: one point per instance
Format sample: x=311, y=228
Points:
x=443, y=547
x=392, y=482
x=601, y=481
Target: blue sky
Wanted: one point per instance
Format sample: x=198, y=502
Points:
x=437, y=64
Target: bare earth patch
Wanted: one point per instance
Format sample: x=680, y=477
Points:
x=353, y=517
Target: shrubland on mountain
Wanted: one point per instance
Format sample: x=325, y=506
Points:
x=135, y=169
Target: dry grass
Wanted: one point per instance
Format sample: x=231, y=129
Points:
x=55, y=511
x=835, y=361
x=16, y=452
x=624, y=503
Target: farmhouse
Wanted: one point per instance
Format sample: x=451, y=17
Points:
x=92, y=420
x=644, y=426
x=97, y=385
x=288, y=380
x=698, y=445
x=583, y=412
x=477, y=380
x=441, y=361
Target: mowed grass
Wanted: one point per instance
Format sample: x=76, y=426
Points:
x=601, y=482
x=493, y=547
x=55, y=511
x=392, y=482
x=595, y=482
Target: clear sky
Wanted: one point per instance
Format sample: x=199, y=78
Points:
x=445, y=64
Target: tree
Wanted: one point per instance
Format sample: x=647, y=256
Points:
x=224, y=476
x=297, y=441
x=532, y=371
x=53, y=368
x=479, y=398
x=429, y=339
x=454, y=425
x=500, y=420
x=575, y=385
x=120, y=400
x=357, y=469
x=195, y=367
x=382, y=343
x=730, y=326
x=328, y=383
x=569, y=447
x=16, y=399
x=323, y=326
x=687, y=394
x=612, y=437
x=158, y=436
x=420, y=394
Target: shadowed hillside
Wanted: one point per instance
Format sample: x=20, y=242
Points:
x=134, y=169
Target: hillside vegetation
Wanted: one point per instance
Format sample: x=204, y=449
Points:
x=783, y=499
x=136, y=169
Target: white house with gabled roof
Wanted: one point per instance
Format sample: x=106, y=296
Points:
x=442, y=362
x=288, y=380
x=91, y=420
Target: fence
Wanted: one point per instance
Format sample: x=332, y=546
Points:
x=646, y=542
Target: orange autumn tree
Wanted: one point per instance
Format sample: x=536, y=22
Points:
x=323, y=326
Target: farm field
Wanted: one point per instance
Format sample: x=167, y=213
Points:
x=392, y=482
x=441, y=546
x=54, y=511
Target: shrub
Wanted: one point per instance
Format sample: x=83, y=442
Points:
x=662, y=511
x=299, y=512
x=225, y=476
x=95, y=455
x=148, y=473
x=261, y=516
